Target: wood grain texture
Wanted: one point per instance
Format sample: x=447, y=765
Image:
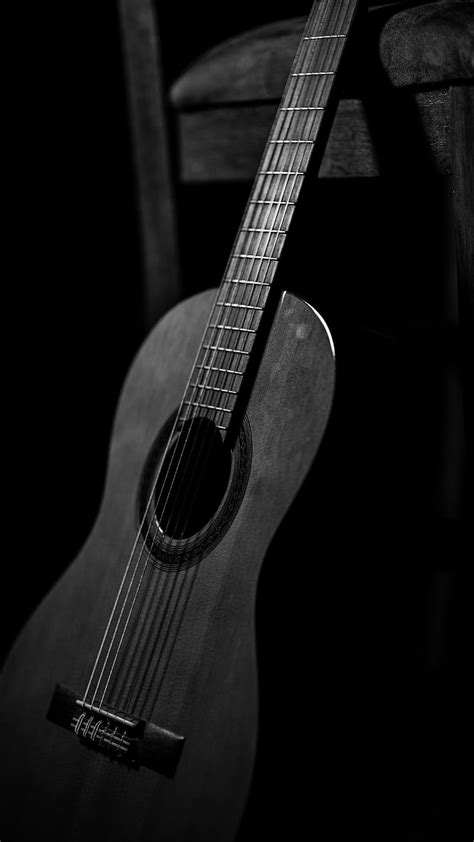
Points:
x=153, y=171
x=226, y=101
x=225, y=144
x=429, y=44
x=55, y=789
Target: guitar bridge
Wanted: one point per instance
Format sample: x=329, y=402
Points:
x=127, y=739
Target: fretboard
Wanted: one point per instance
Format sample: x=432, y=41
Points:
x=225, y=352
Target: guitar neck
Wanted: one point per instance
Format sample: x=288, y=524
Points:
x=237, y=314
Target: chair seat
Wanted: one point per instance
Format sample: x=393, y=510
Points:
x=225, y=102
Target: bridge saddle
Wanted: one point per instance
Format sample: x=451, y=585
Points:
x=127, y=739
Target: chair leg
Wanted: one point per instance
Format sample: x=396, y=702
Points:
x=151, y=150
x=462, y=145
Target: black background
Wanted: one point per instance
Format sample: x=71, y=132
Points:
x=379, y=585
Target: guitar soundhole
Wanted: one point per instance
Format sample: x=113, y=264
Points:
x=192, y=481
x=191, y=490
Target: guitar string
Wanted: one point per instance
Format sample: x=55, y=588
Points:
x=129, y=563
x=221, y=331
x=187, y=505
x=158, y=473
x=170, y=625
x=274, y=156
x=272, y=159
x=203, y=386
x=176, y=576
x=206, y=381
x=165, y=608
x=139, y=532
x=187, y=417
x=173, y=626
x=150, y=684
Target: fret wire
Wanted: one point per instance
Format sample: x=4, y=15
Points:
x=213, y=388
x=280, y=194
x=254, y=297
x=327, y=55
x=269, y=170
x=320, y=20
x=249, y=317
x=309, y=24
x=224, y=397
x=271, y=230
x=277, y=245
x=293, y=96
x=297, y=127
x=217, y=348
x=232, y=304
x=240, y=281
x=262, y=232
x=313, y=88
x=278, y=190
x=227, y=350
x=265, y=241
x=258, y=216
x=270, y=187
x=219, y=381
x=304, y=108
x=291, y=170
x=253, y=257
x=260, y=241
x=243, y=331
x=253, y=272
x=268, y=202
x=273, y=159
x=223, y=370
x=231, y=327
x=234, y=301
x=277, y=154
x=320, y=37
x=279, y=172
x=298, y=91
x=207, y=406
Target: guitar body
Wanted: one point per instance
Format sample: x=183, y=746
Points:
x=53, y=787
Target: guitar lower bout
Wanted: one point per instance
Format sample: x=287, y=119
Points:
x=169, y=754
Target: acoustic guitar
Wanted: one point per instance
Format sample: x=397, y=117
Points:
x=129, y=701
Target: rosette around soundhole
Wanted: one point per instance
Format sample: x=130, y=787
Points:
x=190, y=491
